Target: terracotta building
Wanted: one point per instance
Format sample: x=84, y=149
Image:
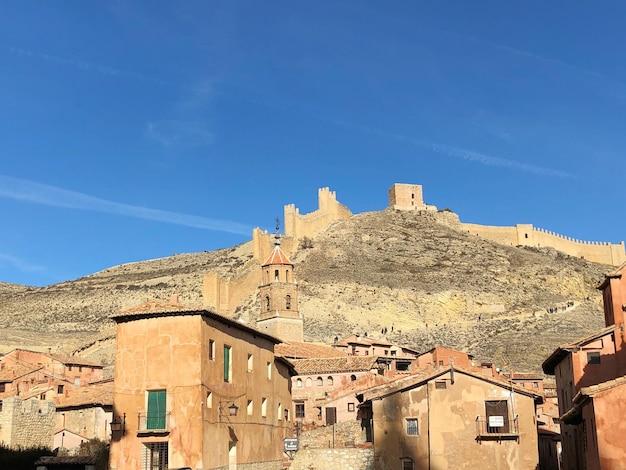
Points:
x=26, y=373
x=590, y=376
x=451, y=418
x=193, y=388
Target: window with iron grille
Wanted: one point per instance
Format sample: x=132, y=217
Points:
x=411, y=426
x=299, y=410
x=407, y=464
x=154, y=456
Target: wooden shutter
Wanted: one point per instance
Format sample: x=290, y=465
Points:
x=156, y=409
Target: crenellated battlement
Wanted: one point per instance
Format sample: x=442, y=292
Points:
x=226, y=294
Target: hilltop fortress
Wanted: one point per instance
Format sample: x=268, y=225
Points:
x=226, y=294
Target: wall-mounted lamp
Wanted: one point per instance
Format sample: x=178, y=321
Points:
x=118, y=423
x=228, y=411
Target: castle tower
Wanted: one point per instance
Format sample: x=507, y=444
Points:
x=279, y=298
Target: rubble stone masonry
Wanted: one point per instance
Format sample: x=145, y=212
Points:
x=28, y=423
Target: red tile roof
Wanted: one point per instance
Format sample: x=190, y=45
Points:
x=334, y=364
x=95, y=395
x=277, y=257
x=300, y=350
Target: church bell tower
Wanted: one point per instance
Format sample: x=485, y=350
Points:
x=279, y=297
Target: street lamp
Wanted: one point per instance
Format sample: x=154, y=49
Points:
x=118, y=424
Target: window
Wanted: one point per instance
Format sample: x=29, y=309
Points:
x=59, y=390
x=3, y=387
x=309, y=381
x=0, y=405
x=269, y=370
x=154, y=456
x=288, y=302
x=320, y=382
x=353, y=377
x=80, y=368
x=330, y=381
x=250, y=362
x=299, y=410
x=407, y=464
x=211, y=350
x=77, y=381
x=227, y=364
x=440, y=384
x=276, y=275
x=441, y=363
x=209, y=400
x=411, y=426
x=279, y=412
x=299, y=383
x=497, y=413
x=155, y=418
x=350, y=406
x=286, y=414
x=593, y=357
x=249, y=408
x=535, y=384
x=393, y=353
x=267, y=303
x=263, y=407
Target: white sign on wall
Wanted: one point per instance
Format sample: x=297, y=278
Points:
x=496, y=421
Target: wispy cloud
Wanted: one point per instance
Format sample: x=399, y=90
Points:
x=19, y=264
x=29, y=191
x=465, y=154
x=180, y=133
x=87, y=66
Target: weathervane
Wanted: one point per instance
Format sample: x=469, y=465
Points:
x=277, y=234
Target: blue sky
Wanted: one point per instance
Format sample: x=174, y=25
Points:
x=136, y=130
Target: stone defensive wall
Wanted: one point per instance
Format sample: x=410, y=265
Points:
x=224, y=294
x=527, y=235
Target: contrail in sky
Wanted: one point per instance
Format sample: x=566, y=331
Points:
x=464, y=154
x=29, y=191
x=89, y=66
x=19, y=264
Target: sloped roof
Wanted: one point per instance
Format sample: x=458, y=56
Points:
x=423, y=377
x=15, y=371
x=94, y=395
x=303, y=350
x=616, y=273
x=563, y=350
x=593, y=389
x=74, y=360
x=277, y=256
x=172, y=308
x=329, y=365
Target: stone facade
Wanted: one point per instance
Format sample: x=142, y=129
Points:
x=347, y=458
x=26, y=423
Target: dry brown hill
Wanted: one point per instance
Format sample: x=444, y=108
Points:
x=413, y=274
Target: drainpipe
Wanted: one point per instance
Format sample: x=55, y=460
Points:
x=429, y=411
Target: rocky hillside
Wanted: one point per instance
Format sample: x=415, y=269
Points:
x=414, y=275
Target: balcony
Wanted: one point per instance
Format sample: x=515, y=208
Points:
x=497, y=428
x=154, y=423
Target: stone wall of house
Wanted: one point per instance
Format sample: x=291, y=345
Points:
x=351, y=458
x=346, y=434
x=269, y=465
x=27, y=423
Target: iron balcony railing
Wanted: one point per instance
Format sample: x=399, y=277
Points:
x=504, y=427
x=154, y=422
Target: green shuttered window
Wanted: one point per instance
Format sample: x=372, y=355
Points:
x=156, y=409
